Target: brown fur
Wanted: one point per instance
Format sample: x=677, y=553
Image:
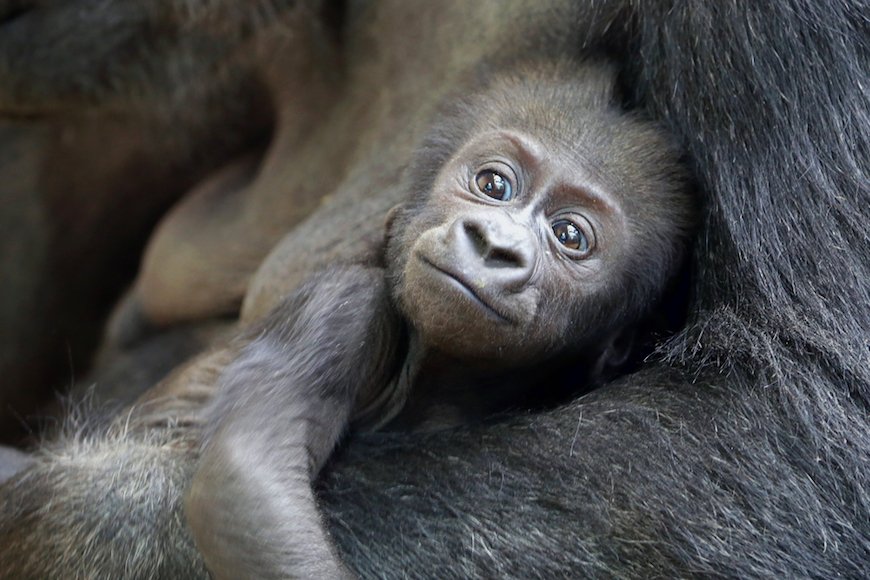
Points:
x=740, y=451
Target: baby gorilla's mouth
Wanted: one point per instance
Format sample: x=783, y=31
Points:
x=466, y=289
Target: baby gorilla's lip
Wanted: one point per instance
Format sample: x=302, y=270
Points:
x=468, y=291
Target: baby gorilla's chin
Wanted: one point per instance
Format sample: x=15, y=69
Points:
x=453, y=316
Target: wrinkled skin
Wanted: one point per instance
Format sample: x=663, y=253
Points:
x=740, y=450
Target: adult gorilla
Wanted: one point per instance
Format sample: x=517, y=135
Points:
x=741, y=450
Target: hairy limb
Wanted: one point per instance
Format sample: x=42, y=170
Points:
x=69, y=514
x=282, y=406
x=56, y=54
x=635, y=481
x=651, y=477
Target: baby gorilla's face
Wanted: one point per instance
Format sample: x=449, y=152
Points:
x=514, y=252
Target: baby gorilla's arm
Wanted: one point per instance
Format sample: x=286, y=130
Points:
x=282, y=405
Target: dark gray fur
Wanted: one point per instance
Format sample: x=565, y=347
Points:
x=741, y=451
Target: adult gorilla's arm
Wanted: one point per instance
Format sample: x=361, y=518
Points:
x=640, y=481
x=56, y=55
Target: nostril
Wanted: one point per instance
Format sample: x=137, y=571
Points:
x=497, y=251
x=475, y=234
x=499, y=257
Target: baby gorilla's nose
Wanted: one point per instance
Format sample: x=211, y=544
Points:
x=496, y=248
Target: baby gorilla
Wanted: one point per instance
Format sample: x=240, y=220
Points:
x=541, y=225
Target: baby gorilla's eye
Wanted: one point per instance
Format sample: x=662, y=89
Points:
x=571, y=236
x=494, y=185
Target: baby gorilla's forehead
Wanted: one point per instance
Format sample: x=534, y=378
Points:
x=633, y=160
x=581, y=124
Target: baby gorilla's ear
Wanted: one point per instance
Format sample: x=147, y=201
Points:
x=615, y=354
x=390, y=220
